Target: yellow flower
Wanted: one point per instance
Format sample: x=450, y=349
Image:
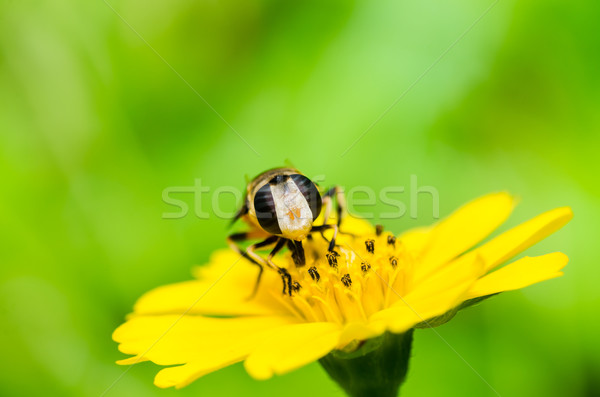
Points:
x=375, y=283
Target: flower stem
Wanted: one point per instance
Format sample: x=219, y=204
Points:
x=378, y=368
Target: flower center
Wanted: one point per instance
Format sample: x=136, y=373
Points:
x=363, y=275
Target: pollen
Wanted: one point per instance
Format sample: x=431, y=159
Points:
x=351, y=282
x=391, y=240
x=365, y=267
x=314, y=274
x=332, y=258
x=346, y=280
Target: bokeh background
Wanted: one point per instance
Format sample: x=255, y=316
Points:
x=95, y=124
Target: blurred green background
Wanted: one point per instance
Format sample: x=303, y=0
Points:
x=94, y=126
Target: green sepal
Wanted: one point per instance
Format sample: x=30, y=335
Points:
x=377, y=368
x=444, y=318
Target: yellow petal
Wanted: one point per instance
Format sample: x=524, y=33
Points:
x=464, y=228
x=356, y=226
x=416, y=239
x=358, y=331
x=182, y=375
x=432, y=297
x=464, y=269
x=403, y=316
x=215, y=359
x=519, y=274
x=222, y=290
x=411, y=310
x=207, y=344
x=291, y=348
x=518, y=239
x=200, y=297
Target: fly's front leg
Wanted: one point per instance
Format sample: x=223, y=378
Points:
x=279, y=244
x=327, y=200
x=341, y=208
x=297, y=252
x=250, y=251
x=252, y=256
x=234, y=239
x=322, y=228
x=287, y=280
x=285, y=276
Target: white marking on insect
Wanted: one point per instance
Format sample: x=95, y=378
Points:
x=293, y=212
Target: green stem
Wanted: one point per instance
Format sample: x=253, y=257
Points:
x=376, y=369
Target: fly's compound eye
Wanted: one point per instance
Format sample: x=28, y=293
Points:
x=266, y=214
x=310, y=192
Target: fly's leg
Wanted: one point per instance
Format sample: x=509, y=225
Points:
x=257, y=260
x=297, y=252
x=322, y=228
x=340, y=207
x=327, y=200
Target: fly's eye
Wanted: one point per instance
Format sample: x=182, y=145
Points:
x=310, y=192
x=264, y=206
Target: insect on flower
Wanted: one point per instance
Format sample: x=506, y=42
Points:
x=281, y=207
x=354, y=305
